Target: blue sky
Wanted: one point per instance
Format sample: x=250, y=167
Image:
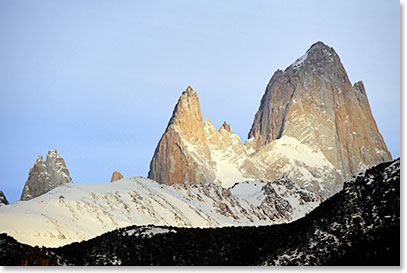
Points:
x=98, y=80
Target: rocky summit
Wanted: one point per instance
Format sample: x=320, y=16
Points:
x=313, y=126
x=45, y=176
x=116, y=176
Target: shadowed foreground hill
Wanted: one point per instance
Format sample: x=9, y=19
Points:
x=358, y=226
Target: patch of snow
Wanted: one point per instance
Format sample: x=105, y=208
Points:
x=300, y=61
x=226, y=171
x=251, y=191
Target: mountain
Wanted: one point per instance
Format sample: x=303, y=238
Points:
x=3, y=199
x=312, y=126
x=45, y=176
x=360, y=225
x=314, y=102
x=74, y=212
x=116, y=176
x=171, y=163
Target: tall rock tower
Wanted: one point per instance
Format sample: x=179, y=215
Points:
x=314, y=102
x=45, y=176
x=182, y=153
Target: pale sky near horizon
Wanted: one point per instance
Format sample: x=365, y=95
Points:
x=98, y=80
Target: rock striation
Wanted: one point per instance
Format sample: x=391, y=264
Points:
x=3, y=199
x=45, y=176
x=313, y=126
x=116, y=176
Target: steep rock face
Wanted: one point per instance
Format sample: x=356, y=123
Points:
x=182, y=153
x=314, y=102
x=3, y=199
x=191, y=152
x=312, y=126
x=44, y=176
x=116, y=176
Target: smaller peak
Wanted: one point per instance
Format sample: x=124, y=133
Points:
x=359, y=86
x=189, y=90
x=39, y=158
x=116, y=176
x=226, y=127
x=208, y=125
x=54, y=151
x=53, y=154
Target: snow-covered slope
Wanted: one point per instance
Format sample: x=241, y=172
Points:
x=298, y=202
x=75, y=212
x=307, y=167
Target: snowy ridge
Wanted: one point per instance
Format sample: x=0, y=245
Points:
x=74, y=212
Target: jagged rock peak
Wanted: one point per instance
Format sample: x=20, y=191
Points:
x=45, y=176
x=172, y=163
x=208, y=126
x=226, y=127
x=189, y=89
x=186, y=118
x=116, y=176
x=3, y=199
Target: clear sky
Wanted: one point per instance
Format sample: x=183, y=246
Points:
x=98, y=80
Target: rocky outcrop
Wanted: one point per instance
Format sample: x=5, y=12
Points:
x=314, y=102
x=45, y=176
x=312, y=126
x=116, y=176
x=3, y=199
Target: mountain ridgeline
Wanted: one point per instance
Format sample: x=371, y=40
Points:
x=360, y=225
x=312, y=126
